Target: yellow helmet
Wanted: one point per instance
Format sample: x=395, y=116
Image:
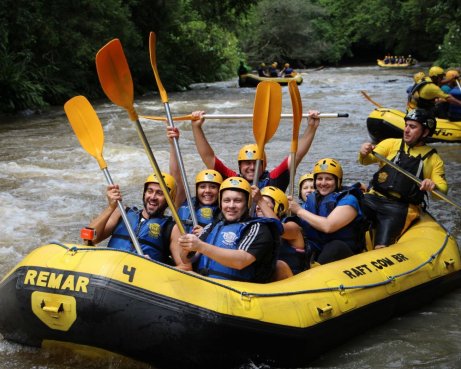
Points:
x=279, y=197
x=451, y=74
x=330, y=166
x=417, y=77
x=169, y=182
x=237, y=184
x=252, y=152
x=436, y=71
x=286, y=65
x=208, y=175
x=303, y=178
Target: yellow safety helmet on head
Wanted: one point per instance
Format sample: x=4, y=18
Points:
x=169, y=182
x=417, y=77
x=436, y=71
x=451, y=74
x=303, y=178
x=236, y=184
x=208, y=175
x=331, y=166
x=279, y=197
x=286, y=65
x=252, y=152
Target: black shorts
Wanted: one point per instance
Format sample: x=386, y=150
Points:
x=388, y=218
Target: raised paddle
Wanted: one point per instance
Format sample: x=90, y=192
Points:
x=370, y=99
x=414, y=178
x=296, y=103
x=266, y=117
x=88, y=129
x=115, y=78
x=238, y=116
x=164, y=97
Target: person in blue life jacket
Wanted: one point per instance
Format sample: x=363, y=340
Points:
x=152, y=228
x=394, y=201
x=205, y=202
x=450, y=85
x=287, y=71
x=235, y=246
x=273, y=70
x=305, y=186
x=331, y=217
x=271, y=202
x=278, y=177
x=262, y=70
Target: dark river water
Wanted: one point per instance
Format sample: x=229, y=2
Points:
x=50, y=188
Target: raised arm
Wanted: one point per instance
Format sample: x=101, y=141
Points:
x=174, y=167
x=104, y=224
x=305, y=142
x=203, y=147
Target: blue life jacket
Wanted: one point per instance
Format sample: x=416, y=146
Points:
x=296, y=260
x=227, y=236
x=153, y=235
x=353, y=233
x=204, y=214
x=454, y=111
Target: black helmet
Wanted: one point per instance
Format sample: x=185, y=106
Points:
x=423, y=116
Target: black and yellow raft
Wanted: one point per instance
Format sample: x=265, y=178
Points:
x=385, y=123
x=94, y=297
x=252, y=80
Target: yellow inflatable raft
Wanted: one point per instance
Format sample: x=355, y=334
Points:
x=252, y=80
x=381, y=64
x=117, y=301
x=385, y=123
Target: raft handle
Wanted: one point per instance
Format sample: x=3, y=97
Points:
x=449, y=263
x=53, y=310
x=328, y=309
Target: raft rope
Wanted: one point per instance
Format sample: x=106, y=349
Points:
x=248, y=295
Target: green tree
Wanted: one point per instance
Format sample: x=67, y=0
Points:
x=286, y=31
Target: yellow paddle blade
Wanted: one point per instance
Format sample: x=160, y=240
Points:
x=297, y=113
x=153, y=63
x=115, y=76
x=266, y=112
x=87, y=127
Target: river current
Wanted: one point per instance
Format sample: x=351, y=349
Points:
x=50, y=188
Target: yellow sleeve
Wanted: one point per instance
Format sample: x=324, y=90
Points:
x=431, y=91
x=434, y=169
x=387, y=148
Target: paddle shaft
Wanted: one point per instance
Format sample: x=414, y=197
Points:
x=124, y=216
x=190, y=203
x=242, y=116
x=164, y=98
x=371, y=100
x=414, y=178
x=159, y=176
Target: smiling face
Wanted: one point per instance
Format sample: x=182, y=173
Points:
x=154, y=201
x=325, y=183
x=234, y=204
x=414, y=132
x=207, y=193
x=247, y=169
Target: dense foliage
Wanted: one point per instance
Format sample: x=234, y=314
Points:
x=47, y=48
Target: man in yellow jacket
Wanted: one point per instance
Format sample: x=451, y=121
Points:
x=427, y=93
x=394, y=201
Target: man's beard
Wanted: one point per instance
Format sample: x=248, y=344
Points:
x=157, y=213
